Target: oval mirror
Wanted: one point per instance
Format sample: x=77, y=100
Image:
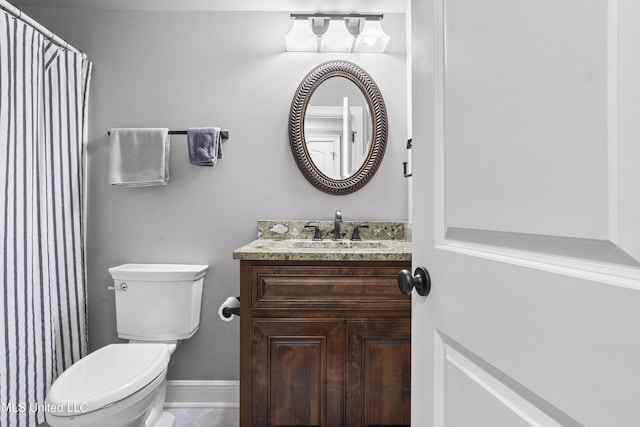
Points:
x=338, y=127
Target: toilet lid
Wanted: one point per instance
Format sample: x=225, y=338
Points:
x=106, y=376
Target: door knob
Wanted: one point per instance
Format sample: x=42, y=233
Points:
x=420, y=280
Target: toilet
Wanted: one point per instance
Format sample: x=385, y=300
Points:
x=124, y=385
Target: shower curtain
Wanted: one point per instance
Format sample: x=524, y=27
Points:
x=43, y=115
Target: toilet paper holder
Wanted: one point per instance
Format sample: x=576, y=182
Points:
x=230, y=311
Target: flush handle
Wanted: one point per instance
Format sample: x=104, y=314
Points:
x=119, y=287
x=420, y=280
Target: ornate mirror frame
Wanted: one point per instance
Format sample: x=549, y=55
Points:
x=379, y=127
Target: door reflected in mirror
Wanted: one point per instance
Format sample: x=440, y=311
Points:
x=337, y=128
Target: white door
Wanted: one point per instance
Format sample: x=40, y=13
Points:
x=526, y=177
x=345, y=154
x=324, y=150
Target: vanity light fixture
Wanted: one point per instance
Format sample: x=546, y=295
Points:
x=321, y=32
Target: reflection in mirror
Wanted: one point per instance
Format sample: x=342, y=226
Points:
x=337, y=128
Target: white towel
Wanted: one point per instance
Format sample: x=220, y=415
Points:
x=139, y=157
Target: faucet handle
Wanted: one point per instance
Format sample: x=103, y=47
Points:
x=356, y=232
x=316, y=234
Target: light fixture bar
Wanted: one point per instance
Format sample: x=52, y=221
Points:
x=367, y=16
x=320, y=32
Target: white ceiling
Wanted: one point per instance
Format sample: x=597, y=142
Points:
x=361, y=6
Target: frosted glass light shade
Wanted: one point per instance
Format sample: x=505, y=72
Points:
x=372, y=38
x=300, y=38
x=337, y=38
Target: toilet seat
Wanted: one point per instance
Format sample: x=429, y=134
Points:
x=106, y=376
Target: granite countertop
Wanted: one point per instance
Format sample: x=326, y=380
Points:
x=289, y=240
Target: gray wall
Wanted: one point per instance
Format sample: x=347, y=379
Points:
x=188, y=69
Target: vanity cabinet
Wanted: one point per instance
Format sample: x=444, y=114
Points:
x=324, y=343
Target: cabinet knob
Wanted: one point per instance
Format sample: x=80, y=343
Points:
x=420, y=280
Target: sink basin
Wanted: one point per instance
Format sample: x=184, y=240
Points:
x=337, y=244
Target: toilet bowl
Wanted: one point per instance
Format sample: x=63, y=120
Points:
x=113, y=386
x=124, y=385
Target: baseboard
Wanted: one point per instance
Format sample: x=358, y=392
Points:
x=202, y=394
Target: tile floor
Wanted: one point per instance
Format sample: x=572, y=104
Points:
x=201, y=417
x=206, y=417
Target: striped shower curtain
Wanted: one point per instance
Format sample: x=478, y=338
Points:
x=43, y=115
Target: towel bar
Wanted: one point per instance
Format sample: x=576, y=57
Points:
x=224, y=133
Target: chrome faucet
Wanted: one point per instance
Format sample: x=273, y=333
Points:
x=336, y=227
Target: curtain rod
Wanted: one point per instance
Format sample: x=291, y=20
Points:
x=17, y=13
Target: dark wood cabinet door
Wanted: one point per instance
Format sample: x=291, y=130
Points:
x=378, y=373
x=297, y=372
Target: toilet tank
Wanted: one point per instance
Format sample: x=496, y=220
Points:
x=158, y=302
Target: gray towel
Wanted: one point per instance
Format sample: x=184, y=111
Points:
x=139, y=157
x=205, y=147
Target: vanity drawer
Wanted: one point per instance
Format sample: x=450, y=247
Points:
x=359, y=285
